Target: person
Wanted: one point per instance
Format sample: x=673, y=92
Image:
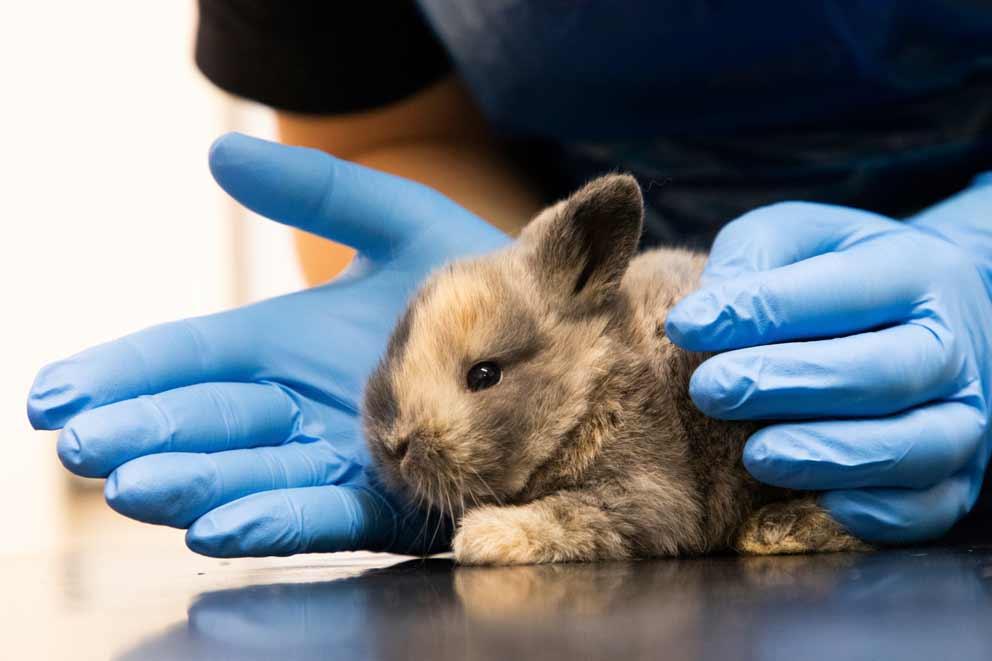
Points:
x=855, y=319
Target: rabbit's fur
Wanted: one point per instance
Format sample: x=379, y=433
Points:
x=589, y=447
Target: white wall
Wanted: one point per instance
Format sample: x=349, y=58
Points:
x=111, y=220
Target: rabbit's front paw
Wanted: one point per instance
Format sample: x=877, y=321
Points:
x=500, y=536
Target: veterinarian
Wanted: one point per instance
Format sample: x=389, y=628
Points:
x=860, y=318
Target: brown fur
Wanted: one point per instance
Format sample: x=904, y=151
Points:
x=589, y=448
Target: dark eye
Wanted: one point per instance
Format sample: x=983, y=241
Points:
x=483, y=375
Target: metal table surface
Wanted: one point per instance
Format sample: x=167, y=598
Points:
x=165, y=603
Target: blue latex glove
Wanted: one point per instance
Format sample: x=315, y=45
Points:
x=244, y=426
x=875, y=336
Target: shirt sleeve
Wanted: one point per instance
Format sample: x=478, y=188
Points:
x=315, y=56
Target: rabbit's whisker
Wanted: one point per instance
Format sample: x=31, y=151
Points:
x=440, y=516
x=486, y=485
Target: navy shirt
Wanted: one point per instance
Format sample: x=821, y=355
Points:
x=716, y=106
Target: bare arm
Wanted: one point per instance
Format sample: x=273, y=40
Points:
x=437, y=137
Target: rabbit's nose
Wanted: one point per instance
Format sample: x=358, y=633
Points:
x=402, y=446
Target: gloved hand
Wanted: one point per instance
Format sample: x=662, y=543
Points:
x=872, y=338
x=244, y=426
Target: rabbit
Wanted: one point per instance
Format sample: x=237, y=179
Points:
x=531, y=395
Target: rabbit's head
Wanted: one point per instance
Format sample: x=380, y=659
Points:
x=497, y=359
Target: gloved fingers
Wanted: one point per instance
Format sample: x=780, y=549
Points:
x=153, y=360
x=785, y=233
x=869, y=374
x=207, y=417
x=832, y=294
x=176, y=488
x=319, y=519
x=369, y=210
x=915, y=449
x=902, y=516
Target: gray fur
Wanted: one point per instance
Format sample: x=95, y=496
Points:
x=589, y=448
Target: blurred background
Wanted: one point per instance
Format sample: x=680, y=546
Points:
x=114, y=224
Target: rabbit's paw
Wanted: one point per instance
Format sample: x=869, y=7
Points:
x=795, y=526
x=502, y=536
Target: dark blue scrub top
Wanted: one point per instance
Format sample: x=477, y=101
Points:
x=722, y=106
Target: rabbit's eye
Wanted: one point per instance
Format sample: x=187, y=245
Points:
x=483, y=375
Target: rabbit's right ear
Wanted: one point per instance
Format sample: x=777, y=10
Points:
x=581, y=247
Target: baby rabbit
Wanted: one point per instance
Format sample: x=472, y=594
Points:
x=532, y=395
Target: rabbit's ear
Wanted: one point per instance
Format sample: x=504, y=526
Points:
x=582, y=246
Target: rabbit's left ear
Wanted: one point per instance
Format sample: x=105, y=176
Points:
x=582, y=246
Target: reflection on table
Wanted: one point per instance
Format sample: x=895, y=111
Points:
x=906, y=604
